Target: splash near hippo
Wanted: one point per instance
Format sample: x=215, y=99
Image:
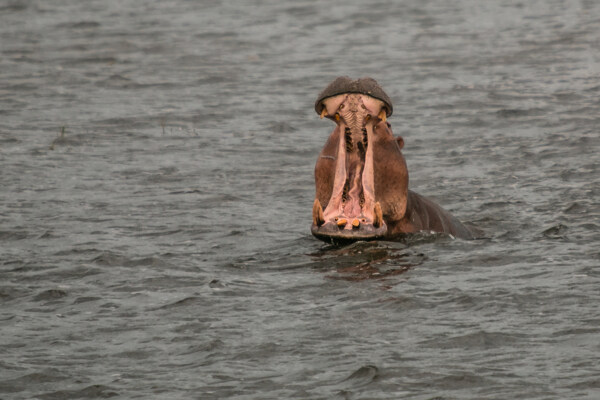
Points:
x=361, y=176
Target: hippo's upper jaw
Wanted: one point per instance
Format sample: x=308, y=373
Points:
x=361, y=176
x=345, y=171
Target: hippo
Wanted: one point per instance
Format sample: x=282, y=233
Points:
x=361, y=176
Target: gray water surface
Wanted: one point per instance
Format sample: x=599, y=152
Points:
x=156, y=191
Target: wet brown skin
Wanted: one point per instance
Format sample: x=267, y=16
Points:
x=361, y=176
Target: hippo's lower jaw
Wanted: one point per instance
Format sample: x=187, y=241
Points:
x=330, y=232
x=341, y=229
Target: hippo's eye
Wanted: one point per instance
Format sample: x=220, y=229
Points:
x=341, y=106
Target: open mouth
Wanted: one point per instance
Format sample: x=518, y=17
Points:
x=352, y=213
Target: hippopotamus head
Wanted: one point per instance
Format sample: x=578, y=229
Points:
x=361, y=176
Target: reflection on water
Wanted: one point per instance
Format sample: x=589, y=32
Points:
x=366, y=260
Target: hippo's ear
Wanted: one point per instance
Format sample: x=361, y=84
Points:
x=400, y=142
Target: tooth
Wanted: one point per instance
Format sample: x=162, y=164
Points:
x=324, y=112
x=318, y=218
x=356, y=223
x=342, y=222
x=382, y=115
x=378, y=215
x=337, y=116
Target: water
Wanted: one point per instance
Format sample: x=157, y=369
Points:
x=156, y=191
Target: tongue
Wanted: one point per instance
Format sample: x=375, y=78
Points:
x=354, y=197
